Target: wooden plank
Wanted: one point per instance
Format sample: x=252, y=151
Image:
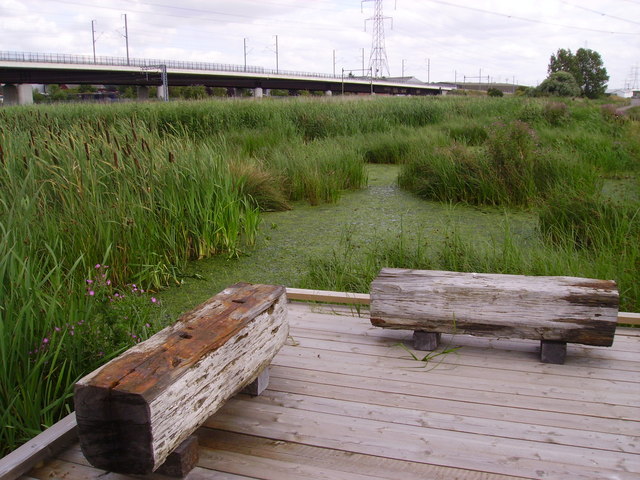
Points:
x=448, y=385
x=39, y=448
x=629, y=318
x=64, y=470
x=469, y=379
x=74, y=455
x=349, y=462
x=475, y=351
x=135, y=410
x=423, y=444
x=330, y=385
x=566, y=309
x=364, y=406
x=327, y=296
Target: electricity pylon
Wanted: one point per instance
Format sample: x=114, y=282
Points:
x=378, y=62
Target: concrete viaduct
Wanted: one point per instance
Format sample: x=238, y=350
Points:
x=18, y=71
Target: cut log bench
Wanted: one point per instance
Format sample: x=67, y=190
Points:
x=136, y=410
x=554, y=310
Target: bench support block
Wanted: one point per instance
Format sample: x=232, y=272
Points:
x=553, y=352
x=259, y=385
x=425, y=340
x=182, y=460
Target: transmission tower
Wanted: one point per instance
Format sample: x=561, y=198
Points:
x=378, y=62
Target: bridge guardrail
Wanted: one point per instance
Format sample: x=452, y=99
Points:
x=147, y=62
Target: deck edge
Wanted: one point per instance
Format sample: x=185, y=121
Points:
x=45, y=445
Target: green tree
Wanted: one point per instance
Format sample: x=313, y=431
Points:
x=594, y=75
x=587, y=69
x=559, y=84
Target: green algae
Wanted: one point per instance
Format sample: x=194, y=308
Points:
x=289, y=239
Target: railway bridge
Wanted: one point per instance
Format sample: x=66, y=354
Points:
x=20, y=70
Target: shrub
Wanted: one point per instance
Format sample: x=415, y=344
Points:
x=559, y=84
x=495, y=92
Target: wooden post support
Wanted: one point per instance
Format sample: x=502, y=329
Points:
x=553, y=352
x=259, y=385
x=426, y=340
x=135, y=410
x=182, y=460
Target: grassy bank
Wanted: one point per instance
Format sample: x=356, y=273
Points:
x=101, y=206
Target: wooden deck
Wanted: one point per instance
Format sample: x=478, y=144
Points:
x=346, y=402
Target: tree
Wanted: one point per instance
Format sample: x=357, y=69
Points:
x=494, y=92
x=587, y=69
x=559, y=84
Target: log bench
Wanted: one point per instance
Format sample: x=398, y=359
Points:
x=554, y=310
x=136, y=410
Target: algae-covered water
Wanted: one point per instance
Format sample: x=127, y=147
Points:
x=288, y=239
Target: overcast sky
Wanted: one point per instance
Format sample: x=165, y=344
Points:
x=442, y=40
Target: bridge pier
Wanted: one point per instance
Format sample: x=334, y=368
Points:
x=328, y=93
x=257, y=92
x=143, y=92
x=18, y=94
x=163, y=93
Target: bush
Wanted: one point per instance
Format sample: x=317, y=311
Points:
x=559, y=84
x=494, y=92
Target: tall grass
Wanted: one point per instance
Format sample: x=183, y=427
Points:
x=352, y=266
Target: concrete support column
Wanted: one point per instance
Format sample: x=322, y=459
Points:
x=257, y=92
x=328, y=93
x=19, y=94
x=161, y=94
x=143, y=92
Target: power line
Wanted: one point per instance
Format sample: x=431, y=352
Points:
x=198, y=13
x=530, y=20
x=602, y=14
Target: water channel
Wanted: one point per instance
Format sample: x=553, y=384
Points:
x=288, y=239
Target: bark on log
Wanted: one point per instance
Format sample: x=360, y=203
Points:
x=135, y=410
x=565, y=309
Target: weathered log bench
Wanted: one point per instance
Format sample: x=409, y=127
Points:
x=554, y=310
x=138, y=408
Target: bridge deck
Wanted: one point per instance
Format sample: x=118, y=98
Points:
x=346, y=402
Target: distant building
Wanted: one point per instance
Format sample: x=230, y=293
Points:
x=622, y=92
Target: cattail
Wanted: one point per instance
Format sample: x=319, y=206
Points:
x=133, y=129
x=115, y=159
x=25, y=162
x=1, y=154
x=86, y=150
x=72, y=145
x=171, y=159
x=106, y=134
x=135, y=160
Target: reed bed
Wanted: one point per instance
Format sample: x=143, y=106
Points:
x=100, y=206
